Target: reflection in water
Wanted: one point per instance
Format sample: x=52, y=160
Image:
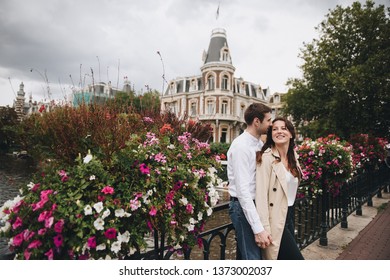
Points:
x=14, y=173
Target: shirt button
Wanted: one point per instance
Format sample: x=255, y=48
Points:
x=274, y=189
x=271, y=204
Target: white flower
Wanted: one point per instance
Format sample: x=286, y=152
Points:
x=87, y=210
x=124, y=238
x=115, y=247
x=190, y=227
x=209, y=211
x=98, y=206
x=92, y=178
x=119, y=212
x=106, y=213
x=200, y=216
x=87, y=158
x=184, y=201
x=101, y=247
x=30, y=185
x=6, y=227
x=99, y=224
x=171, y=147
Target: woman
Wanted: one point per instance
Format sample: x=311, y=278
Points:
x=277, y=179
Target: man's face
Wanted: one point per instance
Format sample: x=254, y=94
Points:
x=267, y=122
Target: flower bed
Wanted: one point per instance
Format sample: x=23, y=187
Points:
x=162, y=180
x=326, y=163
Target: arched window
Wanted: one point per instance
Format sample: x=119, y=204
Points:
x=225, y=82
x=210, y=82
x=224, y=107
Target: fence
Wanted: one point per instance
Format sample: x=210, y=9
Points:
x=313, y=217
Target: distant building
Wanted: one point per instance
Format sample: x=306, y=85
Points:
x=216, y=96
x=98, y=93
x=23, y=108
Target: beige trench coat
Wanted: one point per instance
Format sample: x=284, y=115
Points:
x=271, y=199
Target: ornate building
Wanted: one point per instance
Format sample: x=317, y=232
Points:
x=215, y=96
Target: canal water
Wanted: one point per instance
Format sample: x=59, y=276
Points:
x=15, y=173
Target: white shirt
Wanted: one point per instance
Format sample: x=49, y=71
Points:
x=292, y=187
x=241, y=170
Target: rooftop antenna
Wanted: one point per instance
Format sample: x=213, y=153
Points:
x=9, y=79
x=163, y=75
x=99, y=68
x=80, y=76
x=117, y=81
x=70, y=76
x=44, y=77
x=217, y=13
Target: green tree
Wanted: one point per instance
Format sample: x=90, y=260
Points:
x=346, y=79
x=8, y=128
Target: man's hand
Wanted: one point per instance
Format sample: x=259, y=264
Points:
x=263, y=239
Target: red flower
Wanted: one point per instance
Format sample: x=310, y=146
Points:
x=110, y=233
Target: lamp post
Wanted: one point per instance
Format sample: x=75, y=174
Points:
x=45, y=79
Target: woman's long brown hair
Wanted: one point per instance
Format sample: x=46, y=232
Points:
x=292, y=162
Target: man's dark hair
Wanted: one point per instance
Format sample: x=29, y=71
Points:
x=256, y=110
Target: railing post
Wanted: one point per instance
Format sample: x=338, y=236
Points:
x=359, y=193
x=344, y=203
x=324, y=209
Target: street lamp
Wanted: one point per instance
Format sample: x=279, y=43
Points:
x=46, y=80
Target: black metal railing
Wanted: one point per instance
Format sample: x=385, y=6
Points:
x=313, y=217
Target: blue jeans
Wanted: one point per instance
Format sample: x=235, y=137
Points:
x=244, y=234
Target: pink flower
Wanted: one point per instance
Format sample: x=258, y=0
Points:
x=160, y=158
x=42, y=231
x=35, y=187
x=27, y=235
x=45, y=195
x=91, y=242
x=44, y=215
x=27, y=255
x=144, y=168
x=153, y=211
x=34, y=244
x=49, y=254
x=110, y=233
x=108, y=190
x=49, y=222
x=18, y=239
x=17, y=223
x=58, y=239
x=189, y=208
x=16, y=207
x=58, y=227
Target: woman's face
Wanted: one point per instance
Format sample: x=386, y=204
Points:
x=280, y=133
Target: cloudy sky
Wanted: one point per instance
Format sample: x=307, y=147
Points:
x=64, y=40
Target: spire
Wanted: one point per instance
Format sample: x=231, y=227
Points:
x=218, y=48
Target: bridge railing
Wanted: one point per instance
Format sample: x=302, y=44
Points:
x=313, y=218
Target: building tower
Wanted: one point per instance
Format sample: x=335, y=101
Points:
x=19, y=102
x=215, y=96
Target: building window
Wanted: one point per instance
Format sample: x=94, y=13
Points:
x=224, y=107
x=193, y=109
x=210, y=83
x=242, y=111
x=223, y=135
x=210, y=107
x=225, y=55
x=225, y=80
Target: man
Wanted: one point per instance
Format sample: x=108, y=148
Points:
x=241, y=170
